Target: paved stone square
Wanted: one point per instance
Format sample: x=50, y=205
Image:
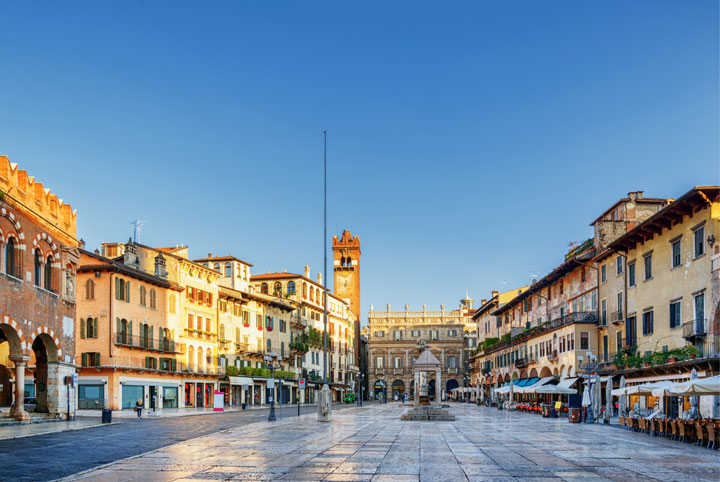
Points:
x=373, y=444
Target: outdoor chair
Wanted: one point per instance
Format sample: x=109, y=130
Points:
x=641, y=425
x=662, y=425
x=711, y=436
x=673, y=428
x=700, y=433
x=621, y=421
x=629, y=422
x=681, y=431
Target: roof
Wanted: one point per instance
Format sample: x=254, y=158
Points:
x=284, y=304
x=107, y=264
x=484, y=308
x=279, y=276
x=547, y=280
x=229, y=257
x=646, y=200
x=695, y=199
x=426, y=358
x=169, y=251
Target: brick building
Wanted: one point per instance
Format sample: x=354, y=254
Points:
x=38, y=261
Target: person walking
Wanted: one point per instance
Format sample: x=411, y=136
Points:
x=139, y=407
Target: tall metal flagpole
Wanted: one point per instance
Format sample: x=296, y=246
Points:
x=325, y=402
x=325, y=256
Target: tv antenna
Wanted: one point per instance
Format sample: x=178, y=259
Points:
x=137, y=227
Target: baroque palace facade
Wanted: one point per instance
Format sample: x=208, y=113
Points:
x=392, y=338
x=642, y=296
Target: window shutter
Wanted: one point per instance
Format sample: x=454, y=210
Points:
x=173, y=364
x=82, y=327
x=97, y=359
x=150, y=341
x=84, y=359
x=127, y=291
x=129, y=333
x=95, y=328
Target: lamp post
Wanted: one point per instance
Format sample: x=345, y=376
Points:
x=269, y=362
x=360, y=379
x=589, y=375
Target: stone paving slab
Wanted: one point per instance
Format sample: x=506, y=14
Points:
x=372, y=444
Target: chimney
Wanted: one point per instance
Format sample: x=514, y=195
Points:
x=494, y=293
x=209, y=255
x=160, y=266
x=81, y=243
x=319, y=277
x=635, y=195
x=130, y=257
x=482, y=302
x=307, y=271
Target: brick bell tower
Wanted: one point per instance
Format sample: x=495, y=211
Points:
x=346, y=276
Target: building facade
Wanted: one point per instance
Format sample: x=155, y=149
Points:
x=392, y=340
x=38, y=260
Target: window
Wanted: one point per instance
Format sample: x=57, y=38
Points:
x=675, y=310
x=277, y=289
x=619, y=264
x=10, y=257
x=143, y=296
x=90, y=359
x=304, y=288
x=584, y=340
x=452, y=363
x=648, y=266
x=603, y=273
x=89, y=290
x=88, y=328
x=433, y=334
x=647, y=323
x=452, y=333
x=208, y=324
x=397, y=362
x=631, y=274
x=291, y=287
x=699, y=308
x=676, y=258
x=190, y=322
x=415, y=333
x=606, y=348
x=221, y=332
x=618, y=340
x=269, y=323
x=264, y=288
x=38, y=268
x=397, y=335
x=619, y=306
x=380, y=333
x=582, y=278
x=228, y=270
x=379, y=362
x=47, y=275
x=216, y=267
x=699, y=241
x=153, y=300
x=603, y=312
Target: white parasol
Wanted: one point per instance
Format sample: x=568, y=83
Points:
x=608, y=401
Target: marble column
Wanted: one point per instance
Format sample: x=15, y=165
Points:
x=18, y=412
x=438, y=387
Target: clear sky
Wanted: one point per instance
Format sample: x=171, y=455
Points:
x=468, y=142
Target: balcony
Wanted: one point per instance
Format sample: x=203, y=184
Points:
x=694, y=329
x=224, y=345
x=241, y=348
x=522, y=362
x=398, y=371
x=617, y=318
x=298, y=322
x=452, y=370
x=553, y=357
x=602, y=321
x=149, y=344
x=199, y=334
x=715, y=262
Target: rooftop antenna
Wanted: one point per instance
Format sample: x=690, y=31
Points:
x=137, y=227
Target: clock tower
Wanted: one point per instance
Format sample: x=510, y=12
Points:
x=346, y=269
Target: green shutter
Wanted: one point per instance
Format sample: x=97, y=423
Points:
x=150, y=341
x=84, y=359
x=173, y=364
x=127, y=291
x=82, y=327
x=129, y=332
x=97, y=359
x=95, y=327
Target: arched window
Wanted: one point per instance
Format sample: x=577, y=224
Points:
x=217, y=267
x=277, y=289
x=348, y=260
x=89, y=290
x=10, y=257
x=304, y=290
x=264, y=288
x=318, y=299
x=342, y=261
x=38, y=267
x=269, y=345
x=312, y=294
x=269, y=323
x=142, y=296
x=153, y=299
x=291, y=288
x=48, y=273
x=228, y=270
x=221, y=332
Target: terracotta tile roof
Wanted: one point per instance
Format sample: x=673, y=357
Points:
x=222, y=258
x=107, y=264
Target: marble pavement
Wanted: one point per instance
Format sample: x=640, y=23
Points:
x=372, y=444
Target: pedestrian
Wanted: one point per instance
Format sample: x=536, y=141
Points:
x=139, y=407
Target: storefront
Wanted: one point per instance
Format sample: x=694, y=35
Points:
x=198, y=393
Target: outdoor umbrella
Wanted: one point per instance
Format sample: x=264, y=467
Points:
x=597, y=399
x=694, y=400
x=511, y=393
x=622, y=397
x=692, y=388
x=586, y=395
x=608, y=401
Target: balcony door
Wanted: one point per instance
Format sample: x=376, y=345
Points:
x=700, y=313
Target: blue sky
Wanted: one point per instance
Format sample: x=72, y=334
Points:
x=469, y=142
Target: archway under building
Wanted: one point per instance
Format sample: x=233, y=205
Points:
x=398, y=388
x=533, y=373
x=379, y=387
x=545, y=372
x=450, y=385
x=555, y=371
x=45, y=360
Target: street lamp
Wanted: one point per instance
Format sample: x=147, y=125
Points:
x=589, y=375
x=269, y=362
x=360, y=377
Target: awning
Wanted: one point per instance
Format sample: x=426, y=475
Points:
x=530, y=388
x=693, y=388
x=240, y=380
x=567, y=382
